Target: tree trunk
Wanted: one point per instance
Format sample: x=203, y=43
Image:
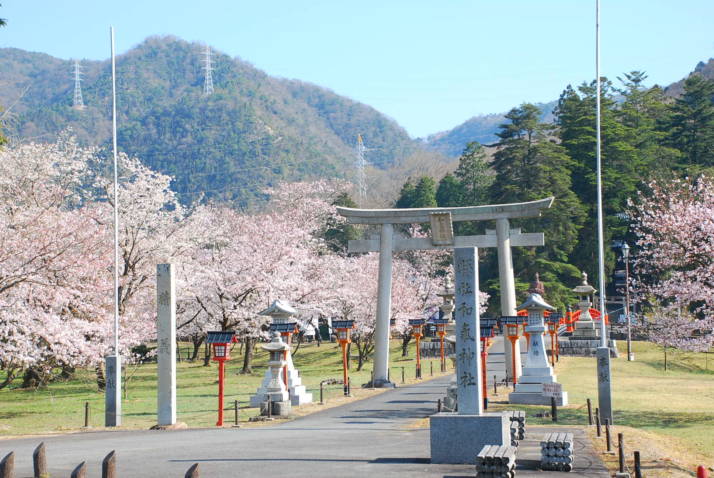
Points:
x=248, y=355
x=67, y=372
x=406, y=338
x=9, y=377
x=206, y=355
x=101, y=379
x=34, y=378
x=197, y=341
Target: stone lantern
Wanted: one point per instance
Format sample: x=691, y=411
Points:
x=585, y=327
x=537, y=371
x=276, y=398
x=281, y=314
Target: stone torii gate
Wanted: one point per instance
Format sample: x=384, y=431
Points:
x=442, y=237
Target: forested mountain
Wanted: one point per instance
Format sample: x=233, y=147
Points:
x=253, y=130
x=482, y=128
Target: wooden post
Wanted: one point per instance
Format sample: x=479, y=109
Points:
x=39, y=462
x=621, y=452
x=80, y=471
x=554, y=409
x=431, y=368
x=402, y=374
x=7, y=466
x=608, y=439
x=638, y=467
x=86, y=414
x=322, y=386
x=192, y=472
x=235, y=408
x=495, y=386
x=598, y=431
x=109, y=465
x=590, y=413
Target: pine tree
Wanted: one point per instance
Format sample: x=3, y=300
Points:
x=691, y=124
x=474, y=175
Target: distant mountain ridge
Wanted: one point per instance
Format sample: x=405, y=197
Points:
x=252, y=131
x=483, y=128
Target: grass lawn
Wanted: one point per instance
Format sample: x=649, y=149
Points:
x=60, y=406
x=667, y=415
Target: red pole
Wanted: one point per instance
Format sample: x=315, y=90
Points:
x=441, y=347
x=484, y=357
x=220, y=393
x=345, y=378
x=418, y=355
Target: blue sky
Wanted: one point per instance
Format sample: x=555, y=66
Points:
x=430, y=65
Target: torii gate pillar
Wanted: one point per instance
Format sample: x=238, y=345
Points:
x=508, y=293
x=384, y=307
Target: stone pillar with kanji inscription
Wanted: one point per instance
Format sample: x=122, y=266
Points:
x=458, y=437
x=166, y=343
x=466, y=313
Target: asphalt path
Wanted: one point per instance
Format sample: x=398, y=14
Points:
x=371, y=437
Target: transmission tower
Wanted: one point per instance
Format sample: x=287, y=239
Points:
x=361, y=164
x=77, y=103
x=208, y=84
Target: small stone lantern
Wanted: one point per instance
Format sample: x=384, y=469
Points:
x=585, y=327
x=278, y=398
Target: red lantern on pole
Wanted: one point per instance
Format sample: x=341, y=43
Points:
x=221, y=352
x=441, y=332
x=416, y=325
x=343, y=337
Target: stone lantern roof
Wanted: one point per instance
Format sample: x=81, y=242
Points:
x=535, y=301
x=584, y=288
x=279, y=310
x=276, y=344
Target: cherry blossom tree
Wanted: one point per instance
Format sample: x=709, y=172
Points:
x=674, y=264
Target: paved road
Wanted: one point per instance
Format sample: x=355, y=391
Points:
x=366, y=438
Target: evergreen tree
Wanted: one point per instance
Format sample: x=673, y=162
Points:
x=423, y=194
x=691, y=124
x=529, y=166
x=474, y=176
x=448, y=193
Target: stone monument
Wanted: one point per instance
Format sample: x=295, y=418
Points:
x=166, y=343
x=457, y=437
x=281, y=313
x=537, y=371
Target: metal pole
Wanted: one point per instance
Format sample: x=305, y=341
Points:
x=345, y=378
x=626, y=256
x=604, y=388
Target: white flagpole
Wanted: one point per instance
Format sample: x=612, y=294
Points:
x=113, y=364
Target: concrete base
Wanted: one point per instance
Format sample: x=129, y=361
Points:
x=458, y=438
x=527, y=398
x=380, y=384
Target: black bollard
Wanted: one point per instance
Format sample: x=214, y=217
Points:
x=322, y=386
x=638, y=467
x=590, y=413
x=621, y=452
x=86, y=414
x=607, y=435
x=39, y=461
x=235, y=408
x=402, y=374
x=553, y=409
x=495, y=386
x=431, y=368
x=598, y=430
x=438, y=406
